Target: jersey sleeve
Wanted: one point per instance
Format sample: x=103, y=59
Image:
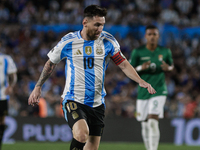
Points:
x=169, y=57
x=115, y=53
x=134, y=58
x=11, y=66
x=55, y=55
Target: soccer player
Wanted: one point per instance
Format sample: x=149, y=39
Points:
x=87, y=53
x=8, y=79
x=151, y=61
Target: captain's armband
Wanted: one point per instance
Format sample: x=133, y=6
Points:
x=118, y=58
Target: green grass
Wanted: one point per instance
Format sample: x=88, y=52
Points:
x=103, y=146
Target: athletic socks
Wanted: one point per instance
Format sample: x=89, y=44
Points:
x=154, y=134
x=145, y=134
x=2, y=128
x=76, y=145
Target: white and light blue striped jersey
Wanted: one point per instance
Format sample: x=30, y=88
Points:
x=86, y=62
x=7, y=66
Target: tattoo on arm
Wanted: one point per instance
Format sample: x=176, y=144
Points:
x=46, y=72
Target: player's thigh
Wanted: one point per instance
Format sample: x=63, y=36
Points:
x=96, y=120
x=73, y=113
x=156, y=105
x=92, y=143
x=80, y=129
x=142, y=109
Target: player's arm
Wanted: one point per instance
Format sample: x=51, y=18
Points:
x=168, y=65
x=46, y=72
x=132, y=74
x=144, y=66
x=12, y=81
x=134, y=61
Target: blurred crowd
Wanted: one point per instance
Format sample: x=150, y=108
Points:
x=29, y=50
x=182, y=13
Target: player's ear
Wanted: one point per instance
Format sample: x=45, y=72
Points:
x=85, y=21
x=145, y=35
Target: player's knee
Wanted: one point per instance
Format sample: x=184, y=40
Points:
x=81, y=135
x=153, y=123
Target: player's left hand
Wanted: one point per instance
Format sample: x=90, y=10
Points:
x=150, y=89
x=164, y=66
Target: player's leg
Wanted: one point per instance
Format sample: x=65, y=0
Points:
x=154, y=132
x=3, y=113
x=92, y=143
x=96, y=126
x=145, y=134
x=156, y=111
x=142, y=113
x=80, y=132
x=76, y=119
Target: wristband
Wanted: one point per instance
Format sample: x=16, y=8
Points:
x=139, y=68
x=170, y=68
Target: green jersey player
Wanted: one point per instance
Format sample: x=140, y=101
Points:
x=151, y=61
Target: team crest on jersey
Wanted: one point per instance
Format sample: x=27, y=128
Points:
x=88, y=50
x=99, y=50
x=160, y=57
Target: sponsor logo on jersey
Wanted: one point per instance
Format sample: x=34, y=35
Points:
x=164, y=92
x=145, y=58
x=99, y=50
x=75, y=115
x=160, y=57
x=88, y=50
x=78, y=52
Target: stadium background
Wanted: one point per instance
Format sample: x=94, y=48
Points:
x=29, y=29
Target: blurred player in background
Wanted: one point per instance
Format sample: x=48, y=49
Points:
x=8, y=79
x=87, y=53
x=151, y=61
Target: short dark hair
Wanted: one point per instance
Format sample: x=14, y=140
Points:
x=94, y=10
x=151, y=27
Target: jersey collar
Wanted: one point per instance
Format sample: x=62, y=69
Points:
x=79, y=34
x=80, y=37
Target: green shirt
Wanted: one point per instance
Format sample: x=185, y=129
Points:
x=154, y=74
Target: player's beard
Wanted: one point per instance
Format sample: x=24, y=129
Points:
x=92, y=35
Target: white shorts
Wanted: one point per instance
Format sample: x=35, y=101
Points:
x=154, y=105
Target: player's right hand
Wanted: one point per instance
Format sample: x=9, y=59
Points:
x=35, y=96
x=146, y=65
x=148, y=86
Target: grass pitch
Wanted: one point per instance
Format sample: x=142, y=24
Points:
x=103, y=146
